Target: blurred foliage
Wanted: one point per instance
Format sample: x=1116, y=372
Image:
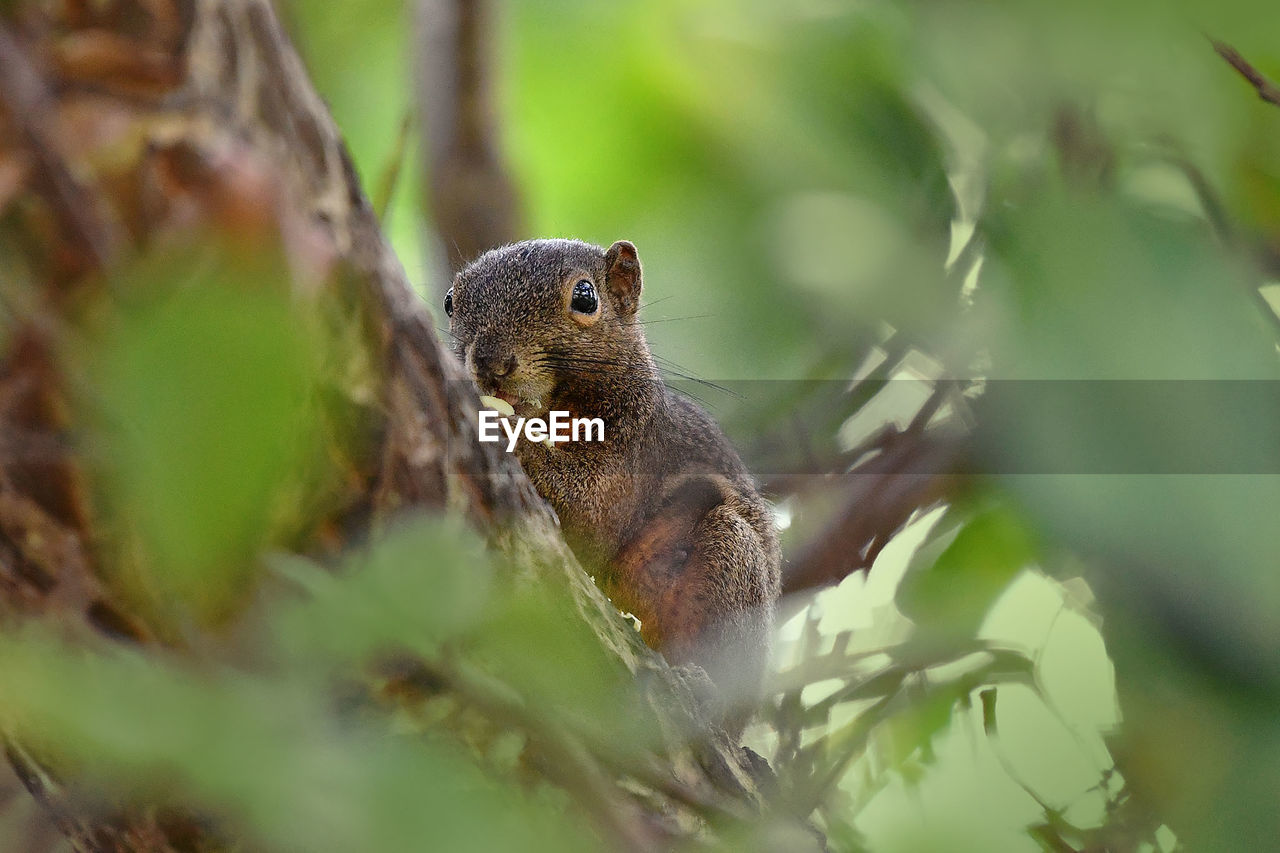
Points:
x=820, y=190
x=267, y=749
x=954, y=580
x=200, y=386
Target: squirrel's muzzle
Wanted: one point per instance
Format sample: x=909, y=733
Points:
x=489, y=364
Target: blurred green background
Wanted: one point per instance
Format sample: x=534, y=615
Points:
x=819, y=190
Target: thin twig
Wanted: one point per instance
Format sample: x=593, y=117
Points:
x=391, y=172
x=1267, y=90
x=914, y=472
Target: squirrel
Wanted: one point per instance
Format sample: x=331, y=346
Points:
x=662, y=510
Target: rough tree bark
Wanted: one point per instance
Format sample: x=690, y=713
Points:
x=125, y=122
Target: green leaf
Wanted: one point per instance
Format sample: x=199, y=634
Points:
x=260, y=753
x=201, y=420
x=950, y=595
x=906, y=738
x=535, y=641
x=421, y=583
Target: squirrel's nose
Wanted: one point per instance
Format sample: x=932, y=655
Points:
x=493, y=365
x=505, y=367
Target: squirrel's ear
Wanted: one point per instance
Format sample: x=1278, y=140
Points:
x=622, y=276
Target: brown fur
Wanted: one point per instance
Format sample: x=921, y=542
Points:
x=663, y=510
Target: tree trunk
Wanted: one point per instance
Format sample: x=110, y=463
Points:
x=127, y=125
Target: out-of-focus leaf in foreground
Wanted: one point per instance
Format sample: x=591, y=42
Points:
x=418, y=585
x=199, y=393
x=954, y=580
x=1167, y=478
x=426, y=588
x=260, y=753
x=276, y=752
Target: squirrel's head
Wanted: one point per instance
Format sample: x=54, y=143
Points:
x=549, y=320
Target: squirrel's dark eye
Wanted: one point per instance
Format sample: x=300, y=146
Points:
x=584, y=298
x=448, y=302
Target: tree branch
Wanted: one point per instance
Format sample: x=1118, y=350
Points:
x=913, y=470
x=1267, y=90
x=26, y=101
x=473, y=200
